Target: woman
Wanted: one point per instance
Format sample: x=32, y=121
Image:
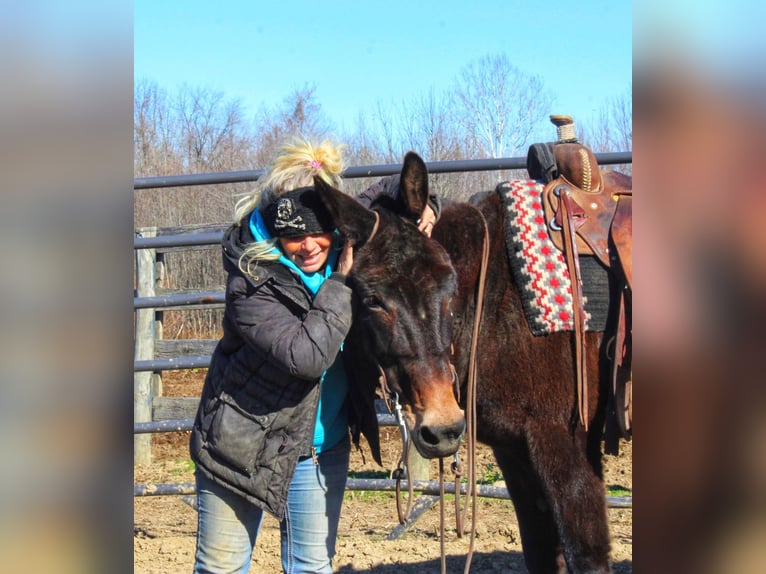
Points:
x=271, y=432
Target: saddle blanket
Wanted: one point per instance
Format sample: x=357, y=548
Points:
x=540, y=270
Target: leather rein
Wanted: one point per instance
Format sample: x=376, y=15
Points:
x=470, y=413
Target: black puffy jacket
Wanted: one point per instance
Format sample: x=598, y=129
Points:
x=258, y=406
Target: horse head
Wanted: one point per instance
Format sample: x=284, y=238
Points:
x=403, y=283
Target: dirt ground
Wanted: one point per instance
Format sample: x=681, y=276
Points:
x=164, y=527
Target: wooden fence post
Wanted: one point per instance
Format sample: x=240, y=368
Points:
x=144, y=350
x=159, y=276
x=419, y=467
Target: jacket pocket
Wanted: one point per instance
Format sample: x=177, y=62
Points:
x=237, y=437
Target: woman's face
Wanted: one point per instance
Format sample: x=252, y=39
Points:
x=308, y=252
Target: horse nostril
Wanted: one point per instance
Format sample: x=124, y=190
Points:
x=439, y=434
x=428, y=437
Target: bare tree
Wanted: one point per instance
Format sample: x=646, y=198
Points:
x=211, y=130
x=154, y=151
x=622, y=118
x=613, y=129
x=364, y=147
x=385, y=122
x=300, y=114
x=196, y=131
x=433, y=131
x=500, y=105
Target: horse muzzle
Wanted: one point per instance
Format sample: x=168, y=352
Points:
x=435, y=432
x=433, y=417
x=440, y=438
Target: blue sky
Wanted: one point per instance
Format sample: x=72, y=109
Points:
x=358, y=54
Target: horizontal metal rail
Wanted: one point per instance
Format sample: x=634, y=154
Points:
x=180, y=425
x=214, y=237
x=175, y=425
x=174, y=364
x=181, y=240
x=180, y=300
x=450, y=166
x=429, y=487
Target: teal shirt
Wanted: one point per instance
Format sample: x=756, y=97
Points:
x=332, y=421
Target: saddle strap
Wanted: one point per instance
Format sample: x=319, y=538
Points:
x=621, y=232
x=619, y=423
x=569, y=215
x=621, y=369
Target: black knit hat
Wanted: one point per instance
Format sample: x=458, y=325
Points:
x=296, y=213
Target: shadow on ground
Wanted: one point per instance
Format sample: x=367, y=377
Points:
x=482, y=563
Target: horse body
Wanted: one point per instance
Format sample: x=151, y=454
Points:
x=526, y=404
x=416, y=305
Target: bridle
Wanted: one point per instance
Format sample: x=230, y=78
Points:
x=375, y=226
x=402, y=470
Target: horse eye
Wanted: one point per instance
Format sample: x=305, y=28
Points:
x=374, y=303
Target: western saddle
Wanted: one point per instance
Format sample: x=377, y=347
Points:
x=589, y=212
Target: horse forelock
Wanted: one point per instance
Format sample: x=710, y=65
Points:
x=411, y=278
x=399, y=247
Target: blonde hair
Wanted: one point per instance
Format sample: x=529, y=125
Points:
x=295, y=166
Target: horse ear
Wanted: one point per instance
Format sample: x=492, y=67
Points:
x=413, y=185
x=353, y=220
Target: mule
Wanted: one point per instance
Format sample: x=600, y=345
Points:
x=415, y=301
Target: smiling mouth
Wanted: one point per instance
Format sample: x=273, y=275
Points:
x=308, y=259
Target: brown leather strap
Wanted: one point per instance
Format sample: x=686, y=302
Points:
x=473, y=375
x=442, y=548
x=621, y=368
x=472, y=489
x=568, y=223
x=621, y=231
x=403, y=513
x=619, y=423
x=403, y=467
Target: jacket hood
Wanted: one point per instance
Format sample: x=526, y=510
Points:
x=234, y=242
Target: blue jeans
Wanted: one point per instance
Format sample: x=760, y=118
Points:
x=228, y=525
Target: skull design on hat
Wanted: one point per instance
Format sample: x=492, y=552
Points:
x=285, y=215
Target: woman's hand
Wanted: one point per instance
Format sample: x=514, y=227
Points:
x=346, y=258
x=427, y=221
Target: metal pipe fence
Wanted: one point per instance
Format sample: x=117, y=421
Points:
x=449, y=166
